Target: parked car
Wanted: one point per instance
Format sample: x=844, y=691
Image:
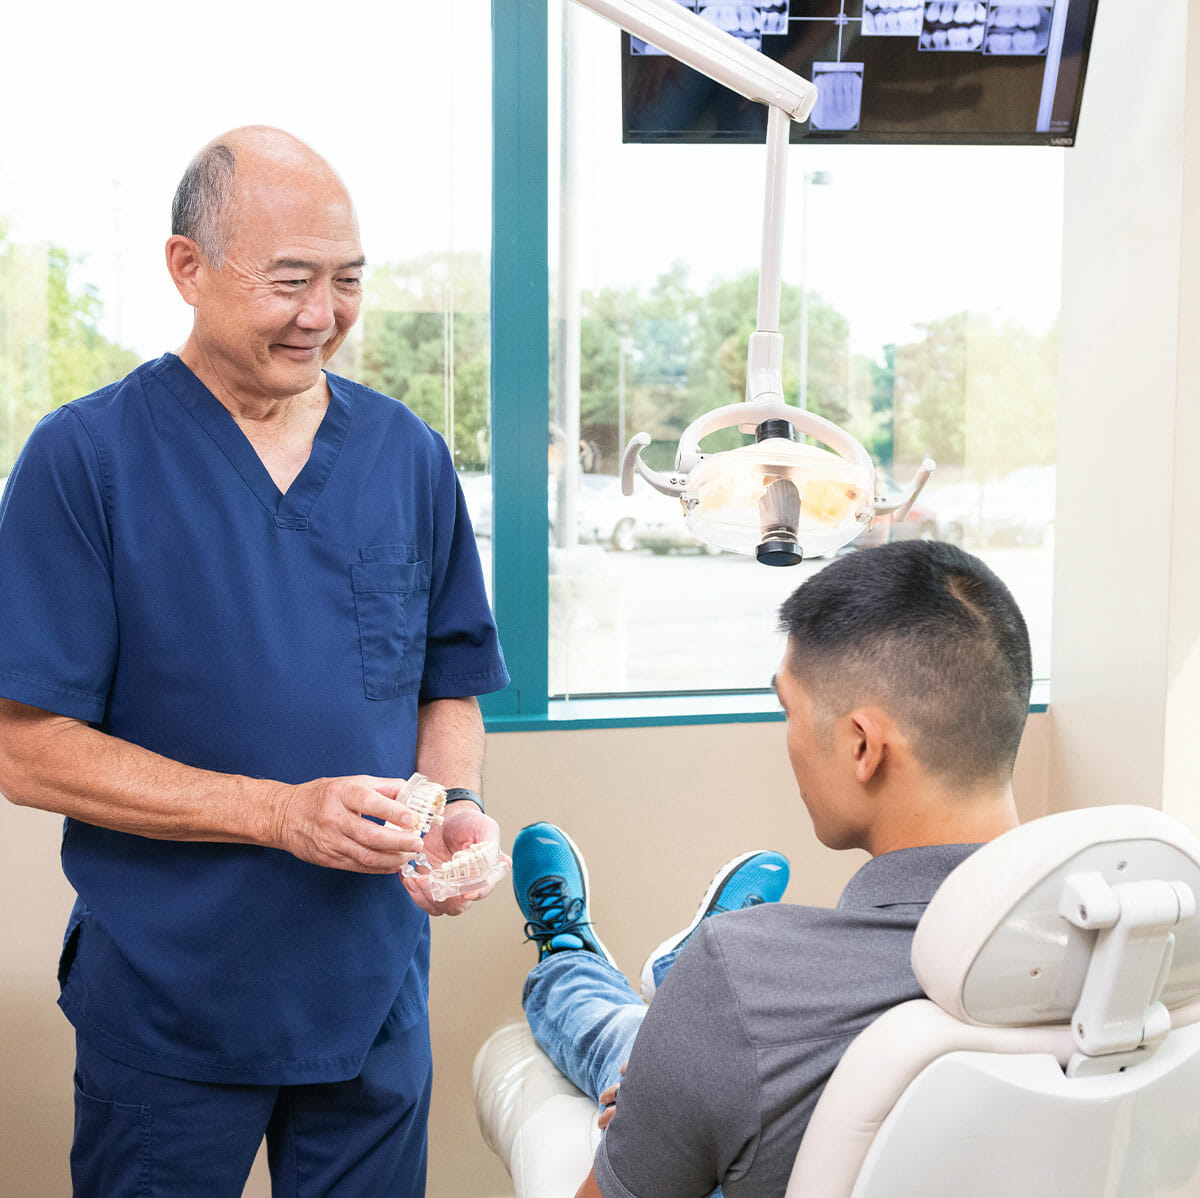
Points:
x=477, y=491
x=1015, y=510
x=666, y=532
x=919, y=523
x=603, y=515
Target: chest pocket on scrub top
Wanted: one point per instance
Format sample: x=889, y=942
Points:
x=391, y=599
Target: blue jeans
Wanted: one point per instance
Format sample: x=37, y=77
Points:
x=584, y=1016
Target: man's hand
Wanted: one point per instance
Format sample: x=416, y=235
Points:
x=321, y=822
x=464, y=824
x=608, y=1100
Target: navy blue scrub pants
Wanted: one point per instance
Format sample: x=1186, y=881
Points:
x=152, y=1136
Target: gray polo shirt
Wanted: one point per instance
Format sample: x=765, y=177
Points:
x=749, y=1024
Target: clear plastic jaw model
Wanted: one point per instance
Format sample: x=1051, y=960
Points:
x=469, y=869
x=426, y=800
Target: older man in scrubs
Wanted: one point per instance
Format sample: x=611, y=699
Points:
x=241, y=604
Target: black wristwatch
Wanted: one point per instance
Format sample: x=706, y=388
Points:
x=458, y=794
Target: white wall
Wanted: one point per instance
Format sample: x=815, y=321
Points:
x=1125, y=668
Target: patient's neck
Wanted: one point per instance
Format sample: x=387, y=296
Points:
x=943, y=814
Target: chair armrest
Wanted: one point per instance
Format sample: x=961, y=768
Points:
x=533, y=1118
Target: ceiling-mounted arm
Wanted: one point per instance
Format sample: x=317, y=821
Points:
x=699, y=44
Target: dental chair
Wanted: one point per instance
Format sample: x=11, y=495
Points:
x=1057, y=1053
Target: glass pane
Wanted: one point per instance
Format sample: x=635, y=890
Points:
x=399, y=107
x=919, y=311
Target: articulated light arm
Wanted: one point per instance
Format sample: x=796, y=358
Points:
x=779, y=498
x=699, y=44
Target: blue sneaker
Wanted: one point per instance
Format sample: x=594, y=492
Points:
x=746, y=881
x=551, y=884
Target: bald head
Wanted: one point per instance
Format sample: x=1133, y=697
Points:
x=205, y=205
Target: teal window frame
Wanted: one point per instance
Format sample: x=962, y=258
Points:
x=520, y=403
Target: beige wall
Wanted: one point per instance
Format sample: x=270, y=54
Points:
x=656, y=810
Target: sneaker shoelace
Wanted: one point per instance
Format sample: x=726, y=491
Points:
x=554, y=913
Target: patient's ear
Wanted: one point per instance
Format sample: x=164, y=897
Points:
x=870, y=732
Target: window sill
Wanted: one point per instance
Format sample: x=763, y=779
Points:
x=643, y=711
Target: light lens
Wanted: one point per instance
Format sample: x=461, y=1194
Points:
x=721, y=500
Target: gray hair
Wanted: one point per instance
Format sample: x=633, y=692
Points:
x=200, y=207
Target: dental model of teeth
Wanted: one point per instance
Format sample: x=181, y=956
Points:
x=469, y=869
x=426, y=800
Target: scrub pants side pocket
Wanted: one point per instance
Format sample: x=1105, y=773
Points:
x=391, y=600
x=110, y=1156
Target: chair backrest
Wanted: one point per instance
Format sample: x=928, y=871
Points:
x=1058, y=1051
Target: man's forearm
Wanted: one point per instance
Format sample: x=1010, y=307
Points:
x=58, y=764
x=450, y=742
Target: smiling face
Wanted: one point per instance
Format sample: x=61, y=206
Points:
x=270, y=316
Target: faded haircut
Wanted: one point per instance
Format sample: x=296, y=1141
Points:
x=929, y=633
x=200, y=208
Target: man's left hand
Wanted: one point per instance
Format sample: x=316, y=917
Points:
x=463, y=825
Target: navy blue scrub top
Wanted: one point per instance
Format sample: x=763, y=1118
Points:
x=156, y=584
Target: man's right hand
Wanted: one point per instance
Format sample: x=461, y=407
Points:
x=55, y=763
x=322, y=822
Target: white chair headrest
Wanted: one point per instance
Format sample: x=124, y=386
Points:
x=993, y=948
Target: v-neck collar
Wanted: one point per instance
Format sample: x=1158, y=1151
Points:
x=288, y=509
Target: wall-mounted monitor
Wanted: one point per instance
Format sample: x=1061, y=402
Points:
x=952, y=72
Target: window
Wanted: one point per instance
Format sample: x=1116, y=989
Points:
x=920, y=303
x=919, y=309
x=399, y=103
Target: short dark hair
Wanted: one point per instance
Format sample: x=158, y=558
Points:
x=931, y=634
x=200, y=209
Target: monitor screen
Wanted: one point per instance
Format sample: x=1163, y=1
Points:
x=952, y=72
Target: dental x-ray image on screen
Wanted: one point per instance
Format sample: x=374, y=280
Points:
x=967, y=72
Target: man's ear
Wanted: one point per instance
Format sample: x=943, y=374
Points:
x=869, y=732
x=185, y=263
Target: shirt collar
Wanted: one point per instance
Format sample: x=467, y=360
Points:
x=903, y=876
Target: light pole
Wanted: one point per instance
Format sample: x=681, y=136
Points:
x=624, y=350
x=818, y=179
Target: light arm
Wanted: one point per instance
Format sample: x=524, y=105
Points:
x=701, y=45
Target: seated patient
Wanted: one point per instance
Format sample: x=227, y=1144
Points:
x=905, y=682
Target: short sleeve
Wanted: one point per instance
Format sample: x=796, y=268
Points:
x=59, y=640
x=688, y=1109
x=462, y=651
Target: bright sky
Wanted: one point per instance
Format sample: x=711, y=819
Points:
x=114, y=99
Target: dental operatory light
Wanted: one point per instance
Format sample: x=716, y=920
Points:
x=780, y=498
